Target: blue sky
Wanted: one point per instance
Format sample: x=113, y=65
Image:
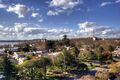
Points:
x=51, y=19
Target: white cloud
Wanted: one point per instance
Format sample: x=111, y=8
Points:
x=19, y=9
x=65, y=4
x=35, y=31
x=34, y=15
x=38, y=16
x=55, y=12
x=3, y=5
x=40, y=20
x=52, y=13
x=1, y=26
x=60, y=31
x=109, y=3
x=31, y=31
x=91, y=28
x=87, y=24
x=117, y=1
x=20, y=27
x=60, y=6
x=105, y=3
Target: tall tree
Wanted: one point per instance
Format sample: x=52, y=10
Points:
x=110, y=48
x=99, y=54
x=69, y=59
x=75, y=52
x=66, y=41
x=9, y=69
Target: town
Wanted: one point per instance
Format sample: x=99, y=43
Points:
x=59, y=39
x=65, y=59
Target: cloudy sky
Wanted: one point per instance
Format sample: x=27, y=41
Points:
x=51, y=19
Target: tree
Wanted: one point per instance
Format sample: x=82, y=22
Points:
x=9, y=69
x=86, y=55
x=69, y=60
x=100, y=49
x=99, y=53
x=1, y=66
x=82, y=66
x=64, y=60
x=102, y=75
x=66, y=41
x=49, y=44
x=110, y=48
x=34, y=69
x=26, y=48
x=58, y=61
x=75, y=52
x=43, y=63
x=29, y=71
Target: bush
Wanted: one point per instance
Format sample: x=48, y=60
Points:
x=102, y=75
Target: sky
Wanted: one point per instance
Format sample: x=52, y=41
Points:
x=51, y=19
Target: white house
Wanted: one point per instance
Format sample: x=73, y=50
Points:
x=2, y=52
x=21, y=60
x=117, y=52
x=14, y=49
x=15, y=55
x=19, y=57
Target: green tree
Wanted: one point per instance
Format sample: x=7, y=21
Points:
x=9, y=69
x=59, y=61
x=86, y=55
x=34, y=70
x=44, y=63
x=110, y=48
x=64, y=60
x=49, y=44
x=99, y=54
x=27, y=48
x=75, y=52
x=66, y=41
x=1, y=66
x=30, y=72
x=68, y=58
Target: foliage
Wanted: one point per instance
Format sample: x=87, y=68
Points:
x=9, y=69
x=34, y=69
x=1, y=64
x=110, y=48
x=86, y=55
x=29, y=57
x=65, y=40
x=102, y=75
x=49, y=45
x=75, y=52
x=27, y=48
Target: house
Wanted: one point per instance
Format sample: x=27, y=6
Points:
x=21, y=60
x=68, y=47
x=35, y=52
x=14, y=49
x=94, y=38
x=2, y=52
x=29, y=52
x=19, y=57
x=116, y=52
x=85, y=47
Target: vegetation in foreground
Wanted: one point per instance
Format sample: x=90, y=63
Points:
x=61, y=65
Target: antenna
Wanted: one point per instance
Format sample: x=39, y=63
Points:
x=93, y=33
